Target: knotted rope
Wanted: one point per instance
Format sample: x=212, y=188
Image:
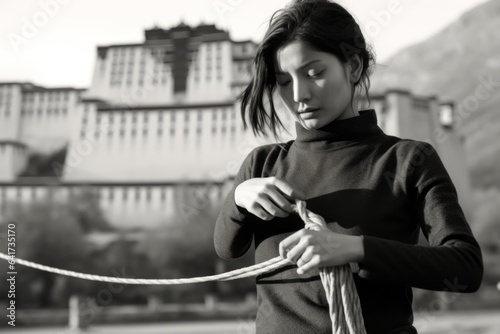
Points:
x=341, y=293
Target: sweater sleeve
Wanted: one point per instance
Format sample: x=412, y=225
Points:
x=452, y=260
x=233, y=232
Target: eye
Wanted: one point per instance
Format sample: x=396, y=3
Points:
x=284, y=84
x=314, y=73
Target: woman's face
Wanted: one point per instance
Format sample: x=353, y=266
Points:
x=315, y=86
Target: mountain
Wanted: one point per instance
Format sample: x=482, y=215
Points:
x=454, y=65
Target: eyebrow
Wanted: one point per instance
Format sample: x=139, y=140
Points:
x=301, y=66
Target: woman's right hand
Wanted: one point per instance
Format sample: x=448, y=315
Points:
x=267, y=197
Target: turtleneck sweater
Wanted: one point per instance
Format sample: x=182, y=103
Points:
x=364, y=183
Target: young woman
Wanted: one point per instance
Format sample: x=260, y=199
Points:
x=376, y=191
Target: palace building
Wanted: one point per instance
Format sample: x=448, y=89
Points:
x=33, y=118
x=158, y=133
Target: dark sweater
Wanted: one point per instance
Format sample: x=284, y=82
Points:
x=365, y=183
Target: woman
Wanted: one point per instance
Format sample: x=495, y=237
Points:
x=376, y=191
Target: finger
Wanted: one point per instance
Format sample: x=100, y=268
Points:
x=306, y=256
x=289, y=242
x=280, y=201
x=287, y=189
x=272, y=209
x=260, y=212
x=296, y=252
x=313, y=264
x=277, y=200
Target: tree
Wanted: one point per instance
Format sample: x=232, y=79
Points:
x=53, y=232
x=47, y=232
x=42, y=165
x=84, y=204
x=184, y=248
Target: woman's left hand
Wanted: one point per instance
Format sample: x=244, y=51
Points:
x=314, y=249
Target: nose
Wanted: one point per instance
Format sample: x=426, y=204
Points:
x=301, y=91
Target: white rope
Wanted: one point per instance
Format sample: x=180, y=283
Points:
x=256, y=269
x=340, y=289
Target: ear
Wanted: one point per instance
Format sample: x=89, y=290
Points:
x=355, y=67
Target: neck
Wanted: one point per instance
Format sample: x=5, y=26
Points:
x=349, y=114
x=339, y=132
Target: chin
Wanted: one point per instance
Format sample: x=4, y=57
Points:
x=311, y=124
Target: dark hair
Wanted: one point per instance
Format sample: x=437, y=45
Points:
x=322, y=24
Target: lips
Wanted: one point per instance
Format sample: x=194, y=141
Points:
x=302, y=111
x=308, y=113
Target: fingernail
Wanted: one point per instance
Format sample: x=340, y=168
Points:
x=300, y=271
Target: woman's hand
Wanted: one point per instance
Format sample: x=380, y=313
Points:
x=266, y=198
x=314, y=249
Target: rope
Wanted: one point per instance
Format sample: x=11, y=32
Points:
x=340, y=289
x=256, y=269
x=341, y=293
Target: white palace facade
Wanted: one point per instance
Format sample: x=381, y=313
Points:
x=158, y=133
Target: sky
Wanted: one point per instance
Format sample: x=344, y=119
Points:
x=53, y=42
